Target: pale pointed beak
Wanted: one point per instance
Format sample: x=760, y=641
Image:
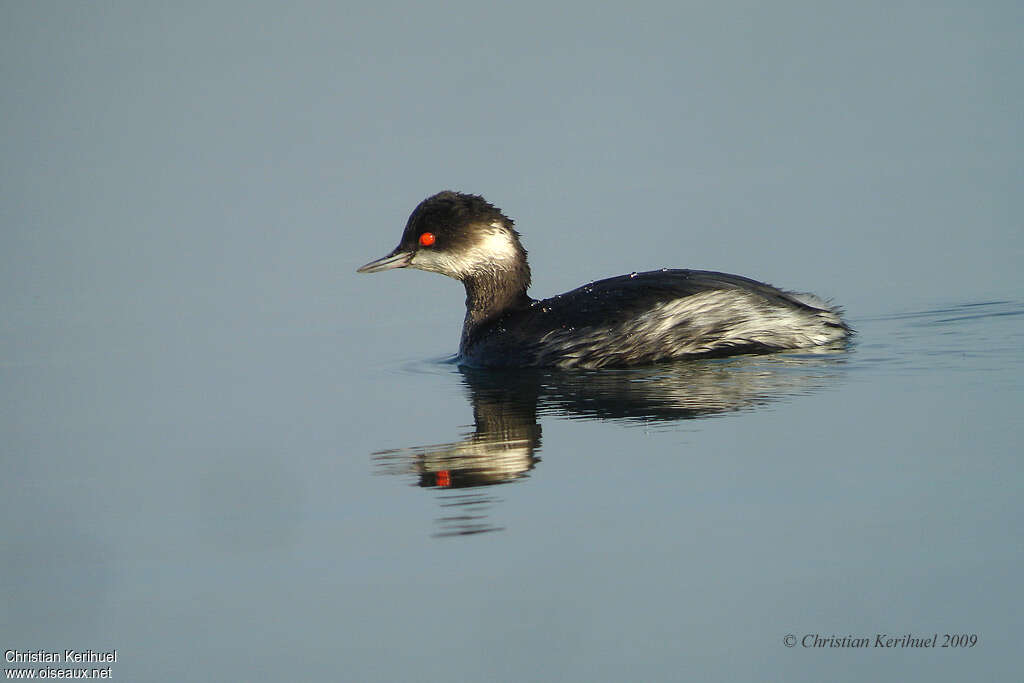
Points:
x=396, y=259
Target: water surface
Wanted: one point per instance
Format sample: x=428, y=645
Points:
x=229, y=457
x=463, y=525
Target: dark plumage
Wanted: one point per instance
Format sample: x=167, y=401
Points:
x=627, y=320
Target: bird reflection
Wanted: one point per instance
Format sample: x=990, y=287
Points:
x=506, y=439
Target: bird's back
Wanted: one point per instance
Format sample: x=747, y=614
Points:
x=647, y=317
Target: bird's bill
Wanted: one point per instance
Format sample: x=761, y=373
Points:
x=396, y=259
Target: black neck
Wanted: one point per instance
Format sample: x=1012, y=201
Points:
x=491, y=293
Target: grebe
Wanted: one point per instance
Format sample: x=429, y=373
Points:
x=633, y=319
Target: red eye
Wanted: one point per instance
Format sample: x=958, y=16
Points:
x=427, y=238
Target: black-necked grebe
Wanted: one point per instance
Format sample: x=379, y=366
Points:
x=633, y=319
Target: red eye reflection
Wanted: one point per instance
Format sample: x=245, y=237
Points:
x=427, y=238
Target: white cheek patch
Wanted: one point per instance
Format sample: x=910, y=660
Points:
x=496, y=245
x=494, y=250
x=437, y=262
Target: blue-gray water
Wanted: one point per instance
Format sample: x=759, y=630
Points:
x=212, y=511
x=229, y=457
